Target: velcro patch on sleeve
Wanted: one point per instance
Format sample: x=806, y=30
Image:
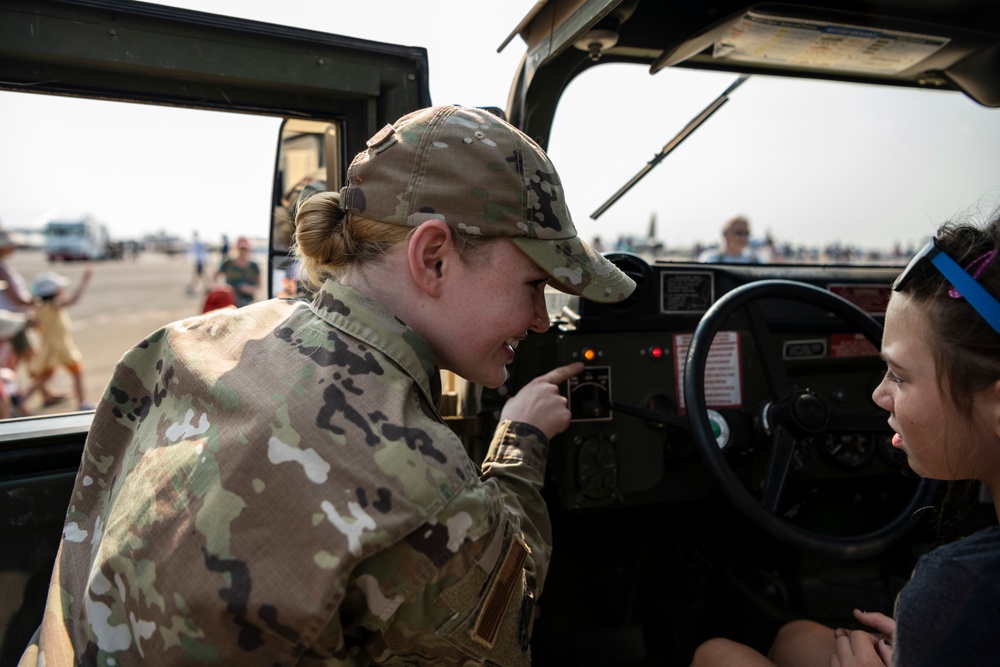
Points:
x=506, y=582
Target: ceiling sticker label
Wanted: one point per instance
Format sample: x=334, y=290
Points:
x=758, y=38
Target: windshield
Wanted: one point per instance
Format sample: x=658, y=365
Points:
x=821, y=171
x=65, y=230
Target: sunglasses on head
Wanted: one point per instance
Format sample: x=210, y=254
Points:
x=962, y=283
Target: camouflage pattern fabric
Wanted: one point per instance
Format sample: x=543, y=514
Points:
x=273, y=486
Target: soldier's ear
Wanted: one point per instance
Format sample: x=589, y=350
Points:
x=430, y=254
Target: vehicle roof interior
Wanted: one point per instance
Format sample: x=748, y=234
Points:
x=965, y=38
x=667, y=34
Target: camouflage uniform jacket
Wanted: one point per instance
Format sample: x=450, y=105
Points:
x=274, y=486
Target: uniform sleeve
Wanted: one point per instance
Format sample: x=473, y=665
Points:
x=516, y=461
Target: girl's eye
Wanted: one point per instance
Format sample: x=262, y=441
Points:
x=892, y=377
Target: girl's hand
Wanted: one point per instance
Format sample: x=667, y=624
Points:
x=857, y=648
x=540, y=404
x=885, y=626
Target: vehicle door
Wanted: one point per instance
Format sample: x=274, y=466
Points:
x=325, y=94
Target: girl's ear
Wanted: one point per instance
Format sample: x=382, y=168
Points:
x=430, y=253
x=995, y=415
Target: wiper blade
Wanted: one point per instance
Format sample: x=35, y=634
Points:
x=672, y=144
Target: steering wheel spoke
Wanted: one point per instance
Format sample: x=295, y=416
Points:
x=774, y=371
x=778, y=464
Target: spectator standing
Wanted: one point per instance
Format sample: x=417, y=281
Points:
x=241, y=273
x=199, y=254
x=735, y=248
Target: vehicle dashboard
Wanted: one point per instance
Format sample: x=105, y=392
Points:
x=629, y=442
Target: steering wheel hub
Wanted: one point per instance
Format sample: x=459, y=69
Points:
x=809, y=412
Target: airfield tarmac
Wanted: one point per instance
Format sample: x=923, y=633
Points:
x=125, y=301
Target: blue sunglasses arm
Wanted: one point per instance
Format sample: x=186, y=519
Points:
x=977, y=296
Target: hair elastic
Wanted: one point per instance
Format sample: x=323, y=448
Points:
x=980, y=263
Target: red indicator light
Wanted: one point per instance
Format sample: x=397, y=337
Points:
x=657, y=352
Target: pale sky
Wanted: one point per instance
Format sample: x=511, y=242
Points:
x=815, y=166
x=132, y=166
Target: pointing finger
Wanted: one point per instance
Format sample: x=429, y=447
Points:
x=562, y=373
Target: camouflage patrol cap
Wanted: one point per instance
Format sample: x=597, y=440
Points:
x=483, y=176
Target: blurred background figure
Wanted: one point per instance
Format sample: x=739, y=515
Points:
x=735, y=247
x=57, y=347
x=199, y=255
x=15, y=297
x=241, y=273
x=21, y=347
x=290, y=281
x=11, y=396
x=219, y=296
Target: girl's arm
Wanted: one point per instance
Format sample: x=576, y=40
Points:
x=78, y=292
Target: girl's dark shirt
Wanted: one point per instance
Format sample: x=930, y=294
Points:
x=949, y=612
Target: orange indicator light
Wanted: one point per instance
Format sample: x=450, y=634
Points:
x=589, y=354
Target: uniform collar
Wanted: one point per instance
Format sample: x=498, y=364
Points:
x=367, y=320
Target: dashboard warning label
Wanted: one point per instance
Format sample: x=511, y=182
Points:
x=843, y=346
x=723, y=377
x=873, y=299
x=686, y=292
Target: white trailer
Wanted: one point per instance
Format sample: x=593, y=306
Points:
x=84, y=239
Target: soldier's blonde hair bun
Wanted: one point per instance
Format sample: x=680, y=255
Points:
x=328, y=240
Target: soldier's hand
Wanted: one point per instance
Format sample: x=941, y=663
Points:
x=539, y=402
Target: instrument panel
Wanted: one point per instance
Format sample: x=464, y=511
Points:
x=629, y=441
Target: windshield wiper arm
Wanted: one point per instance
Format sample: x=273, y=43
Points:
x=672, y=144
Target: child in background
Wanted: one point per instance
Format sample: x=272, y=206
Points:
x=941, y=345
x=53, y=322
x=11, y=403
x=219, y=296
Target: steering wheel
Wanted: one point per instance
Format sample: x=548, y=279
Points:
x=792, y=414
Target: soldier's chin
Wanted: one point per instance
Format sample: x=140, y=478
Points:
x=493, y=384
